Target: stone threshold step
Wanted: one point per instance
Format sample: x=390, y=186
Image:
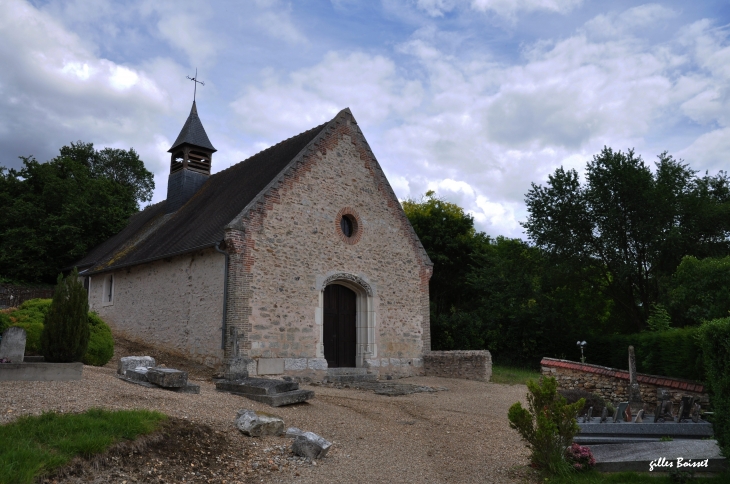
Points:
x=346, y=371
x=351, y=378
x=277, y=399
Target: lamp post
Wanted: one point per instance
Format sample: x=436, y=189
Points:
x=581, y=344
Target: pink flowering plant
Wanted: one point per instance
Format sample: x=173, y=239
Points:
x=580, y=457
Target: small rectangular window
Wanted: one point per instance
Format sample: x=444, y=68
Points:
x=107, y=298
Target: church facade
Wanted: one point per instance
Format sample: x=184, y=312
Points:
x=294, y=261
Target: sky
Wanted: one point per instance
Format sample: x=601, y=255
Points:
x=474, y=99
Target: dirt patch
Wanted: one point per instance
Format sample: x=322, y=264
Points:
x=125, y=347
x=185, y=452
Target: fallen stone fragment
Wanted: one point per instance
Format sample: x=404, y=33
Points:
x=292, y=432
x=259, y=424
x=310, y=445
x=132, y=362
x=167, y=377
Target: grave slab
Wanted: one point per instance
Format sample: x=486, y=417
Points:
x=257, y=386
x=638, y=457
x=167, y=377
x=12, y=346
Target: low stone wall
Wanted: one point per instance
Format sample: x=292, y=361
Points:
x=12, y=296
x=470, y=365
x=612, y=384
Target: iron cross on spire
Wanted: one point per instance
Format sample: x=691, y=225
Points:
x=196, y=81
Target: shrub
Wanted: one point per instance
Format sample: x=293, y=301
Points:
x=101, y=342
x=591, y=399
x=714, y=337
x=66, y=326
x=33, y=332
x=547, y=426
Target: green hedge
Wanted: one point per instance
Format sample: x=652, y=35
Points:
x=714, y=338
x=30, y=315
x=675, y=353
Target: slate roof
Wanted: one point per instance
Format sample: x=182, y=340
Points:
x=151, y=234
x=193, y=133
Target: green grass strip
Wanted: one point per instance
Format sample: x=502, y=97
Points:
x=513, y=376
x=34, y=445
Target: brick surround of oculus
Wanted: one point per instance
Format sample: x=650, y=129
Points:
x=294, y=261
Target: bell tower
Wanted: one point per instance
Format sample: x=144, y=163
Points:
x=191, y=156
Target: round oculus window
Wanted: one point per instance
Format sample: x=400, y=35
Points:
x=348, y=225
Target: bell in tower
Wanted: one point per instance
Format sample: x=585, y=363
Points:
x=190, y=159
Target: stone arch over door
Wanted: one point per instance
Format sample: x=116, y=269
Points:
x=365, y=345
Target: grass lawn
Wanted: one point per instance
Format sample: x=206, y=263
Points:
x=593, y=477
x=35, y=445
x=513, y=376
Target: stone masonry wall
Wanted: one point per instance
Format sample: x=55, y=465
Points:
x=291, y=243
x=12, y=296
x=612, y=384
x=175, y=304
x=470, y=365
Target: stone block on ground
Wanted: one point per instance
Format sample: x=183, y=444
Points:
x=132, y=362
x=167, y=377
x=12, y=346
x=310, y=445
x=292, y=432
x=258, y=386
x=259, y=424
x=137, y=374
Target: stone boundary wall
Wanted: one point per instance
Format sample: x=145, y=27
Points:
x=612, y=384
x=12, y=296
x=470, y=365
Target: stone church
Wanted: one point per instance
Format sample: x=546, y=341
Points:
x=294, y=261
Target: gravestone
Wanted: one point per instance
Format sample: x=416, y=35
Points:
x=604, y=414
x=620, y=412
x=696, y=413
x=634, y=390
x=639, y=416
x=12, y=346
x=685, y=409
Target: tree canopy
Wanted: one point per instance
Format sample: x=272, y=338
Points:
x=631, y=224
x=54, y=212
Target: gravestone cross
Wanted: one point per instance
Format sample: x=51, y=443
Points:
x=634, y=392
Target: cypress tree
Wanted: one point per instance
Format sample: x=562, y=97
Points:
x=66, y=326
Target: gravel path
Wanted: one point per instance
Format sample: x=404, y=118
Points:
x=459, y=435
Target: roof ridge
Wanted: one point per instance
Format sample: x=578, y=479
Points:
x=238, y=163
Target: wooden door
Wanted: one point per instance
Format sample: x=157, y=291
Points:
x=340, y=339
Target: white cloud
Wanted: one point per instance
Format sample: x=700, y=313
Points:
x=509, y=8
x=285, y=105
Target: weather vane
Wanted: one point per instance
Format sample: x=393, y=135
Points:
x=196, y=81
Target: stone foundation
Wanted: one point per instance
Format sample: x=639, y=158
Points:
x=470, y=365
x=613, y=384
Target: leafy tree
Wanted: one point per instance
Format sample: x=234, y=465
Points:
x=630, y=224
x=54, y=212
x=65, y=334
x=447, y=233
x=700, y=290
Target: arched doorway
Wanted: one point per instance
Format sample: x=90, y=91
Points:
x=340, y=326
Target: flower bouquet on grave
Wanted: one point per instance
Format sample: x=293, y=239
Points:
x=580, y=457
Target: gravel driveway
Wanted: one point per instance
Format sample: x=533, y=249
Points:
x=458, y=435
